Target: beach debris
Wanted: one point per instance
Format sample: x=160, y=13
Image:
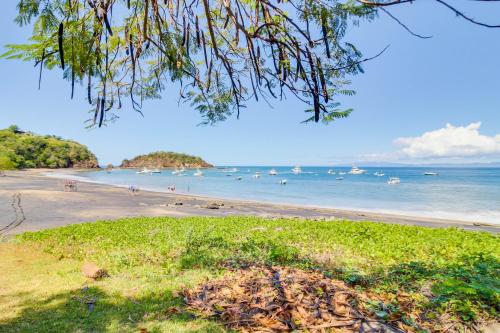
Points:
x=178, y=203
x=482, y=224
x=143, y=204
x=93, y=271
x=214, y=205
x=282, y=299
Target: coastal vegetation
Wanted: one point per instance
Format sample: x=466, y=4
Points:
x=19, y=149
x=222, y=53
x=427, y=279
x=163, y=159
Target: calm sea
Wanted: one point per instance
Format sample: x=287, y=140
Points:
x=471, y=194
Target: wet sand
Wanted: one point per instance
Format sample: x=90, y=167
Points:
x=31, y=201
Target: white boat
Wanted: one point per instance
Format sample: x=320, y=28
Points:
x=379, y=174
x=176, y=172
x=283, y=182
x=234, y=170
x=339, y=178
x=297, y=170
x=198, y=173
x=144, y=171
x=429, y=173
x=331, y=172
x=356, y=171
x=342, y=173
x=156, y=171
x=256, y=175
x=273, y=172
x=393, y=181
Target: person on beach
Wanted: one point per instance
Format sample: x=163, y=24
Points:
x=132, y=190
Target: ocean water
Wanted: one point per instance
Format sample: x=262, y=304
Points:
x=468, y=194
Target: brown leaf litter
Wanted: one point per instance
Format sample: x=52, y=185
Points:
x=281, y=299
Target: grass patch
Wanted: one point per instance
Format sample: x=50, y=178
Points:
x=442, y=272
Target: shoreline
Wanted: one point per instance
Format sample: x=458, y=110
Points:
x=43, y=195
x=73, y=173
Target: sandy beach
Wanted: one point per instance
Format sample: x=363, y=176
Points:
x=30, y=201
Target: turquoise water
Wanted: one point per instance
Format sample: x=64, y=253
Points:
x=470, y=194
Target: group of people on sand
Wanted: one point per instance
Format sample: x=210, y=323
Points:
x=132, y=189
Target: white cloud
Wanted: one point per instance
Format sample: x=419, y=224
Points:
x=450, y=142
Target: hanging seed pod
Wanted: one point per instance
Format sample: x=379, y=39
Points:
x=146, y=16
x=204, y=48
x=89, y=89
x=198, y=37
x=217, y=78
x=119, y=98
x=325, y=36
x=96, y=113
x=237, y=31
x=188, y=36
x=209, y=76
x=72, y=82
x=60, y=42
x=322, y=80
x=315, y=91
x=101, y=119
x=183, y=30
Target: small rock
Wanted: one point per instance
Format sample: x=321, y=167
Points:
x=214, y=205
x=93, y=271
x=178, y=203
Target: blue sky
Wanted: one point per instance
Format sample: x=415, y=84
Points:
x=417, y=86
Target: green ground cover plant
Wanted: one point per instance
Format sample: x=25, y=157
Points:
x=445, y=273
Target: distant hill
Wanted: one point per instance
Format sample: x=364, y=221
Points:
x=162, y=159
x=19, y=149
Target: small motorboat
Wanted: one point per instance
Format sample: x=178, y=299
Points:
x=156, y=171
x=256, y=175
x=339, y=178
x=331, y=172
x=356, y=171
x=429, y=173
x=297, y=170
x=379, y=174
x=198, y=173
x=273, y=172
x=144, y=171
x=234, y=170
x=342, y=173
x=393, y=181
x=283, y=182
